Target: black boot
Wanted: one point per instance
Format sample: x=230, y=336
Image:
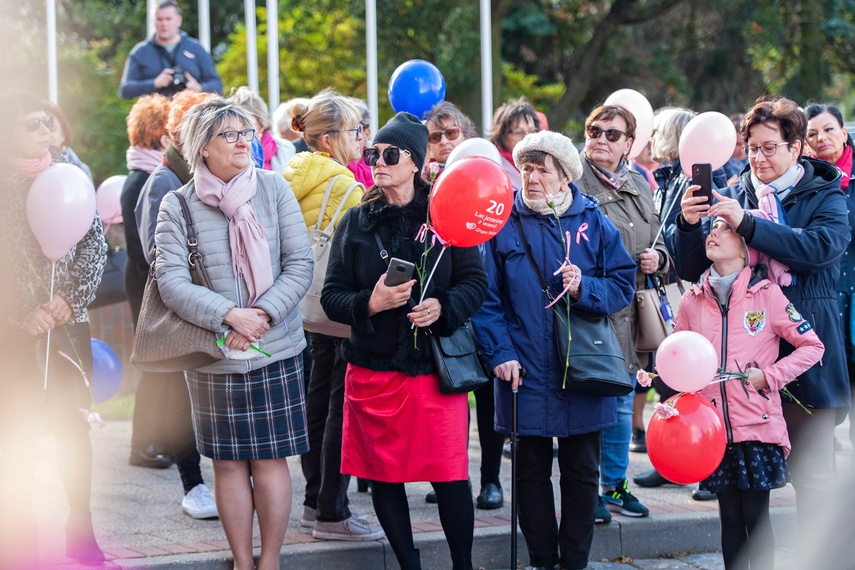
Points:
x=80, y=543
x=412, y=561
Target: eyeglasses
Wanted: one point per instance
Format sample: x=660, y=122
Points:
x=391, y=155
x=768, y=149
x=357, y=132
x=521, y=133
x=612, y=135
x=34, y=124
x=232, y=136
x=451, y=134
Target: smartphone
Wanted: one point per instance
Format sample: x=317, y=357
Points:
x=399, y=272
x=702, y=176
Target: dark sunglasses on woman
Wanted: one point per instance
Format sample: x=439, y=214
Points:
x=391, y=155
x=451, y=134
x=34, y=124
x=612, y=135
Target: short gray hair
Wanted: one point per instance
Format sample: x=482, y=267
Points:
x=668, y=125
x=204, y=121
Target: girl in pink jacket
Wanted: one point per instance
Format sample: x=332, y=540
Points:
x=745, y=316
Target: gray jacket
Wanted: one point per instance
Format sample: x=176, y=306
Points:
x=277, y=210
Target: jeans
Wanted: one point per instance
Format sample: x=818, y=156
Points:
x=578, y=456
x=326, y=487
x=614, y=445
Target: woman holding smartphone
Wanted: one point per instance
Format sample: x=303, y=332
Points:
x=393, y=410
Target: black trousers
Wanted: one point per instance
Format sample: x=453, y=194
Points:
x=162, y=413
x=747, y=541
x=491, y=441
x=326, y=487
x=578, y=462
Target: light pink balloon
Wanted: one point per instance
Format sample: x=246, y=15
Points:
x=640, y=107
x=108, y=199
x=474, y=147
x=709, y=137
x=687, y=361
x=60, y=209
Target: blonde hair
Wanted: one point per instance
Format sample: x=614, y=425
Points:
x=282, y=115
x=668, y=125
x=252, y=102
x=327, y=113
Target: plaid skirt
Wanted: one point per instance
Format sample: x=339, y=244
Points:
x=258, y=415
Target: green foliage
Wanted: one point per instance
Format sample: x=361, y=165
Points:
x=520, y=84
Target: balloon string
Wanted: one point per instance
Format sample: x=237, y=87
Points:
x=432, y=271
x=47, y=344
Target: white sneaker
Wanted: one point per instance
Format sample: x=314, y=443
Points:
x=199, y=503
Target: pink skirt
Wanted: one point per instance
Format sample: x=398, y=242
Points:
x=400, y=428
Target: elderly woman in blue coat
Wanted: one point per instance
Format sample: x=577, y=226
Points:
x=514, y=330
x=791, y=209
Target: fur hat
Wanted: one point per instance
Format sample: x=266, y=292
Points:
x=559, y=147
x=405, y=131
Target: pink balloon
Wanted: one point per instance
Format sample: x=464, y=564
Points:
x=687, y=361
x=640, y=107
x=60, y=209
x=709, y=137
x=108, y=199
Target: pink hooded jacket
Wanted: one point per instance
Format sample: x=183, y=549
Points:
x=758, y=316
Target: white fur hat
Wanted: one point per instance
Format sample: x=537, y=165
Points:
x=556, y=145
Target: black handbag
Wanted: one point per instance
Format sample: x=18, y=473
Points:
x=455, y=357
x=111, y=290
x=592, y=353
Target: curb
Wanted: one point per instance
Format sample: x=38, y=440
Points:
x=662, y=535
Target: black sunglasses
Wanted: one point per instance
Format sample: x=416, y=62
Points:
x=34, y=124
x=391, y=155
x=612, y=135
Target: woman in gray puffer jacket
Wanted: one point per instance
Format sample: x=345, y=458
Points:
x=249, y=408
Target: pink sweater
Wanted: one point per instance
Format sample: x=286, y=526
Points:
x=758, y=317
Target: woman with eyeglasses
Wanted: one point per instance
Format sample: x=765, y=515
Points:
x=330, y=124
x=248, y=408
x=624, y=197
x=511, y=123
x=28, y=312
x=393, y=410
x=790, y=208
x=829, y=140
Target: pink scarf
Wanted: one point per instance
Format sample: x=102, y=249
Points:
x=31, y=167
x=145, y=159
x=247, y=238
x=844, y=163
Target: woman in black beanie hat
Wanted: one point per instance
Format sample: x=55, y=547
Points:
x=398, y=428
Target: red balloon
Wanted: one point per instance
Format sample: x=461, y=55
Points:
x=471, y=201
x=687, y=448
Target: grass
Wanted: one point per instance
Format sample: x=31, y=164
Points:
x=116, y=408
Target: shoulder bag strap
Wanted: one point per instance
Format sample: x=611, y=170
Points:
x=194, y=259
x=385, y=256
x=329, y=229
x=326, y=200
x=544, y=287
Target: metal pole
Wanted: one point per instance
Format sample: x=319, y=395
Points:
x=205, y=24
x=486, y=68
x=51, y=51
x=272, y=56
x=371, y=57
x=251, y=45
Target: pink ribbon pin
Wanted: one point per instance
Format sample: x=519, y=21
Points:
x=580, y=233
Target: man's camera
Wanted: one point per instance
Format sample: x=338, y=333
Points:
x=179, y=78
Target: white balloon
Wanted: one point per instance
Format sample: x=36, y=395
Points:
x=474, y=147
x=640, y=107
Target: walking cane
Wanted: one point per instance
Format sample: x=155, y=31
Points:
x=514, y=428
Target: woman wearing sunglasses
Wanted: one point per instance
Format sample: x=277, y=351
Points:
x=248, y=408
x=802, y=225
x=393, y=410
x=624, y=196
x=447, y=128
x=61, y=136
x=330, y=124
x=28, y=409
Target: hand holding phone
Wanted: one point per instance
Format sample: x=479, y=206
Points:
x=702, y=176
x=399, y=272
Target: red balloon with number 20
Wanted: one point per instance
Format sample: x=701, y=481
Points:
x=471, y=201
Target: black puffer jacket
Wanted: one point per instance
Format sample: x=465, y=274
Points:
x=385, y=341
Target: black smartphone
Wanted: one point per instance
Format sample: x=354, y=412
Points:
x=399, y=271
x=702, y=176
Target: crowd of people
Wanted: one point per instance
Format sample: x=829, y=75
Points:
x=767, y=257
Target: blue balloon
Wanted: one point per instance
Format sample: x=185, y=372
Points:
x=106, y=371
x=415, y=87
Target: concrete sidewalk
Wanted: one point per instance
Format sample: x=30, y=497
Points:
x=140, y=524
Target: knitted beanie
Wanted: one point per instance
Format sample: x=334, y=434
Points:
x=405, y=131
x=559, y=147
